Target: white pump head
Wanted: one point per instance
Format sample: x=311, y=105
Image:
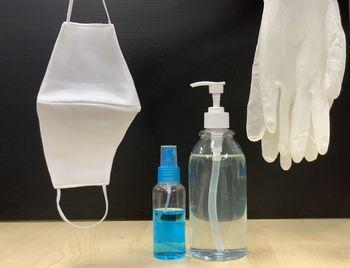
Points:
x=216, y=117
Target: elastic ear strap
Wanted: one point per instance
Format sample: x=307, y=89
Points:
x=70, y=8
x=81, y=226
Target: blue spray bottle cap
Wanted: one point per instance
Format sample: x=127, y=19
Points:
x=168, y=171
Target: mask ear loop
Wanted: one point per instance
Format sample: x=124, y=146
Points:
x=58, y=198
x=70, y=7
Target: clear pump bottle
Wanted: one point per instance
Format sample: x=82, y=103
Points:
x=169, y=209
x=217, y=188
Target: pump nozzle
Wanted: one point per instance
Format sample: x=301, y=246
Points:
x=214, y=87
x=216, y=116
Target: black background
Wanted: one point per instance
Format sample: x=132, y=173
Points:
x=167, y=44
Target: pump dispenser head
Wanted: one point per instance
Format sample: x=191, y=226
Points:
x=168, y=171
x=216, y=117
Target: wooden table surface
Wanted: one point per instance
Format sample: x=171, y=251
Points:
x=272, y=243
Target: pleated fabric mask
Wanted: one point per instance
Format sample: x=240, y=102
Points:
x=85, y=105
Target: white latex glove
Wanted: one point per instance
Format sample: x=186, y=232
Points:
x=297, y=72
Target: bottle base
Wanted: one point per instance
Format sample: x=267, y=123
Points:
x=214, y=255
x=169, y=256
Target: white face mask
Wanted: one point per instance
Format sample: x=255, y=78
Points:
x=85, y=105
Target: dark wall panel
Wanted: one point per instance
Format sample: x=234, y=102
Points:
x=167, y=44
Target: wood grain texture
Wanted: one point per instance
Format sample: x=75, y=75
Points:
x=272, y=243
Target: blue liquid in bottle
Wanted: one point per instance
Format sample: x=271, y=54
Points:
x=169, y=233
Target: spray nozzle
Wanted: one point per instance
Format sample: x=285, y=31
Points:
x=168, y=171
x=168, y=155
x=216, y=116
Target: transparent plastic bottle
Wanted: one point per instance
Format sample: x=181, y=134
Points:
x=227, y=239
x=169, y=209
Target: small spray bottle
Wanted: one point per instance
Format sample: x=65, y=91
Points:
x=169, y=209
x=217, y=187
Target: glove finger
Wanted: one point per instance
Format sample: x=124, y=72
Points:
x=311, y=152
x=284, y=118
x=273, y=143
x=321, y=121
x=270, y=95
x=286, y=162
x=300, y=124
x=336, y=54
x=269, y=146
x=255, y=119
